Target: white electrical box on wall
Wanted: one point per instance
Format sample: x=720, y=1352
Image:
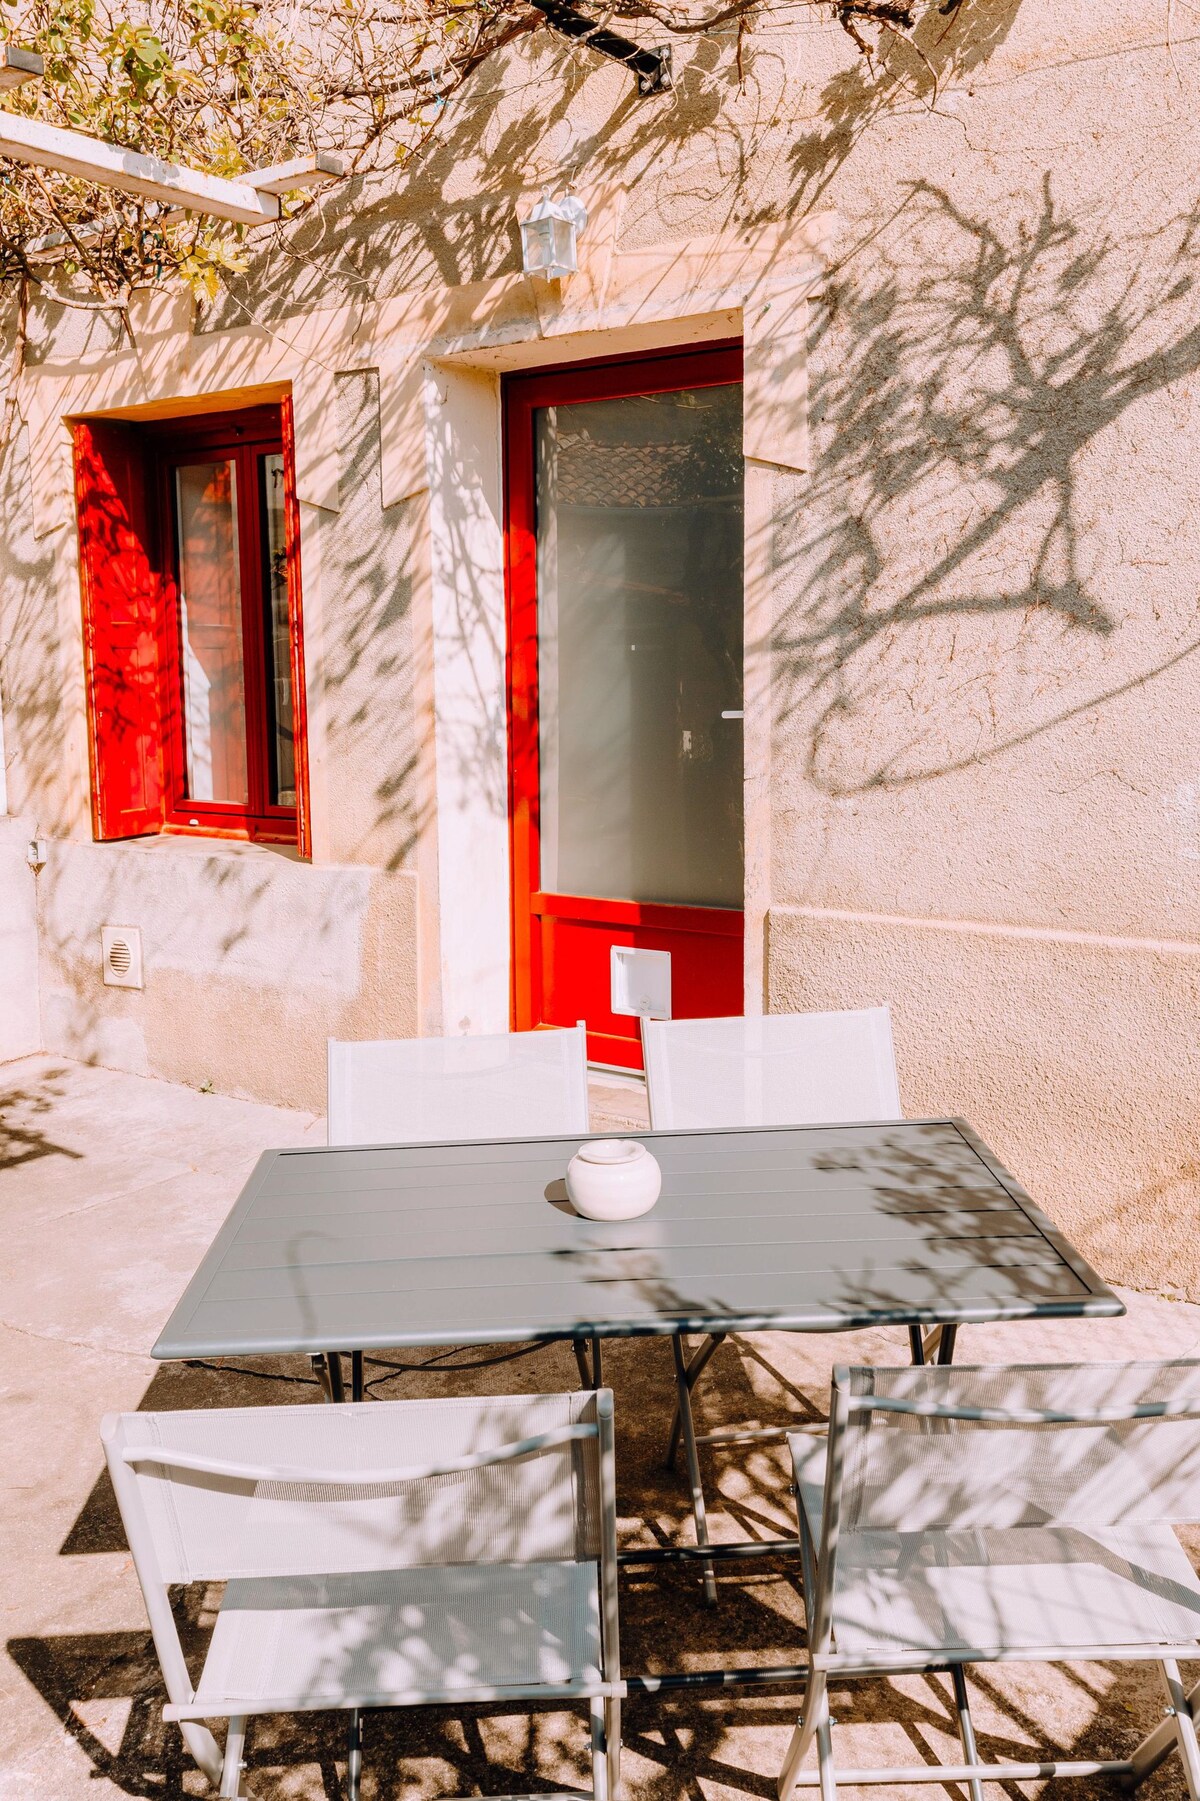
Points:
x=121, y=956
x=641, y=982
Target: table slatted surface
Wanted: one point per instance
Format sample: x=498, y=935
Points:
x=804, y=1228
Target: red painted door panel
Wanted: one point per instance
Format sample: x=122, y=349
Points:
x=706, y=974
x=120, y=609
x=623, y=563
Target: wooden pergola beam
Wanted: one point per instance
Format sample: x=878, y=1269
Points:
x=109, y=166
x=652, y=67
x=302, y=172
x=252, y=199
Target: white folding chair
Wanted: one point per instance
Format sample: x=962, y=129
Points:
x=437, y=1090
x=956, y=1516
x=779, y=1069
x=395, y=1554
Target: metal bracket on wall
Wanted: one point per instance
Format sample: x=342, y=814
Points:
x=652, y=67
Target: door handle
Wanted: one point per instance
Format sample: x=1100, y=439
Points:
x=735, y=713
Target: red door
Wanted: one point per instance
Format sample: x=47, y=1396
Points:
x=624, y=568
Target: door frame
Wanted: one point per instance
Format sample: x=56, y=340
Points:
x=603, y=378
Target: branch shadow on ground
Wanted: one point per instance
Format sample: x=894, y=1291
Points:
x=21, y=1139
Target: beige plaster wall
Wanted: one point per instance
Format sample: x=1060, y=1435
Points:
x=986, y=734
x=20, y=1024
x=252, y=960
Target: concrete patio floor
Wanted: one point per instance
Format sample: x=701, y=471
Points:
x=111, y=1188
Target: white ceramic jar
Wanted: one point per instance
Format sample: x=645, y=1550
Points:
x=613, y=1178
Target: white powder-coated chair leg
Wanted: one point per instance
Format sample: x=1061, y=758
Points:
x=1185, y=1728
x=234, y=1762
x=612, y=1731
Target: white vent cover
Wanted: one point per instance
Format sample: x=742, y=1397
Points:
x=121, y=956
x=641, y=982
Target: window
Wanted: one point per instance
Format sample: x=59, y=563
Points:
x=188, y=555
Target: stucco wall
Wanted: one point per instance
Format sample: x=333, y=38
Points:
x=31, y=666
x=986, y=761
x=366, y=660
x=252, y=960
x=20, y=1025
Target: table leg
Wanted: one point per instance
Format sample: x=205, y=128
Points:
x=684, y=1401
x=320, y=1370
x=357, y=1389
x=695, y=1369
x=337, y=1384
x=916, y=1345
x=966, y=1729
x=937, y=1348
x=591, y=1375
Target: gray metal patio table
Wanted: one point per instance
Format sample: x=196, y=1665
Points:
x=800, y=1229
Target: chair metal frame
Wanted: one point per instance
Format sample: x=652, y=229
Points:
x=224, y=1768
x=690, y=1365
x=1176, y=1732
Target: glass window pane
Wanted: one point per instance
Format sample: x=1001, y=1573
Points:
x=639, y=513
x=210, y=614
x=280, y=729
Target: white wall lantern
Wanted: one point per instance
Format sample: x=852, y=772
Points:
x=550, y=235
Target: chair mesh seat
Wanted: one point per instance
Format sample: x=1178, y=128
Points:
x=1013, y=1590
x=1013, y=1578
x=382, y=1635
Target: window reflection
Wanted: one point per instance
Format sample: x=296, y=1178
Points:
x=210, y=612
x=280, y=725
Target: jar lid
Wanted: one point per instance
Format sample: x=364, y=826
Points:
x=611, y=1150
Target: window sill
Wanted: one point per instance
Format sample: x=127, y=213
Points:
x=198, y=844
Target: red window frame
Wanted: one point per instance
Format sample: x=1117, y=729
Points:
x=244, y=439
x=708, y=979
x=125, y=496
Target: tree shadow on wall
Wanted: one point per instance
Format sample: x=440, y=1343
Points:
x=910, y=74
x=686, y=163
x=963, y=564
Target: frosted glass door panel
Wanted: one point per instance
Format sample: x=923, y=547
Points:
x=210, y=616
x=639, y=524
